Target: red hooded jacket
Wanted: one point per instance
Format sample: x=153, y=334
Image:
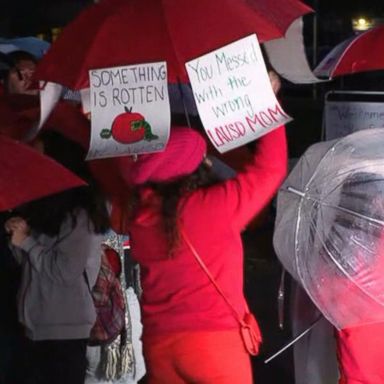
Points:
x=177, y=294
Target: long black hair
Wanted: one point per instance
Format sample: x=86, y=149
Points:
x=47, y=214
x=170, y=194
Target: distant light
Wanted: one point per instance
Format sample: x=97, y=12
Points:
x=361, y=24
x=55, y=32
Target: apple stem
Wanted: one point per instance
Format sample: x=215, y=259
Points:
x=128, y=110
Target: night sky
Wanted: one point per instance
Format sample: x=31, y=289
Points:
x=26, y=17
x=29, y=17
x=345, y=7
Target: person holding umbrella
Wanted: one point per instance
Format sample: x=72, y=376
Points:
x=43, y=176
x=329, y=236
x=57, y=239
x=179, y=213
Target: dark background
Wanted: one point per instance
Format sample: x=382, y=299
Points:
x=31, y=17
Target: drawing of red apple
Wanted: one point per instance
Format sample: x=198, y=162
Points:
x=129, y=127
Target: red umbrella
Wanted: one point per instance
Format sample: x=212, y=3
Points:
x=26, y=175
x=122, y=32
x=361, y=53
x=19, y=114
x=16, y=111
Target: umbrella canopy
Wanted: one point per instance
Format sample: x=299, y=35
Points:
x=18, y=112
x=361, y=53
x=19, y=115
x=7, y=47
x=33, y=45
x=122, y=32
x=26, y=175
x=329, y=231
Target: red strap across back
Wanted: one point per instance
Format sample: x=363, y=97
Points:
x=211, y=278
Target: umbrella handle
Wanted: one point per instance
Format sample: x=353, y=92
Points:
x=280, y=300
x=184, y=103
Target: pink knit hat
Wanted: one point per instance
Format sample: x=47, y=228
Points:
x=183, y=154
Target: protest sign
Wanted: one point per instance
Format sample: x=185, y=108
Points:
x=346, y=112
x=344, y=117
x=130, y=111
x=233, y=94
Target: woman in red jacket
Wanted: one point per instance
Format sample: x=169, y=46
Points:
x=191, y=334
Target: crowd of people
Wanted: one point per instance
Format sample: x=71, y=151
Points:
x=57, y=240
x=184, y=223
x=51, y=254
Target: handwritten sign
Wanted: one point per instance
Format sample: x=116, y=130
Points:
x=344, y=117
x=233, y=94
x=130, y=112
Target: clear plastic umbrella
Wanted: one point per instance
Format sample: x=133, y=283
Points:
x=329, y=227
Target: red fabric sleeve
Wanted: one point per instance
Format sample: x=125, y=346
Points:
x=244, y=196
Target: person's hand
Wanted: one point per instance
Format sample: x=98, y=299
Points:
x=18, y=228
x=275, y=81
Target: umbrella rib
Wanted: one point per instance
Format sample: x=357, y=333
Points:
x=305, y=196
x=296, y=191
x=329, y=253
x=308, y=291
x=324, y=204
x=354, y=213
x=298, y=223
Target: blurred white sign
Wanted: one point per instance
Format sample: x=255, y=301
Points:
x=49, y=96
x=344, y=117
x=130, y=112
x=233, y=94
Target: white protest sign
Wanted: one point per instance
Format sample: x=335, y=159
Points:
x=130, y=111
x=233, y=94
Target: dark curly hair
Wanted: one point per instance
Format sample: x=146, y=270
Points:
x=47, y=214
x=170, y=194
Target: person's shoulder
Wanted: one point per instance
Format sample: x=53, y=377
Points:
x=77, y=219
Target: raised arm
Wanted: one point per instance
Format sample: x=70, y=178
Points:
x=241, y=198
x=66, y=259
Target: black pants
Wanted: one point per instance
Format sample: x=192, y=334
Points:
x=56, y=361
